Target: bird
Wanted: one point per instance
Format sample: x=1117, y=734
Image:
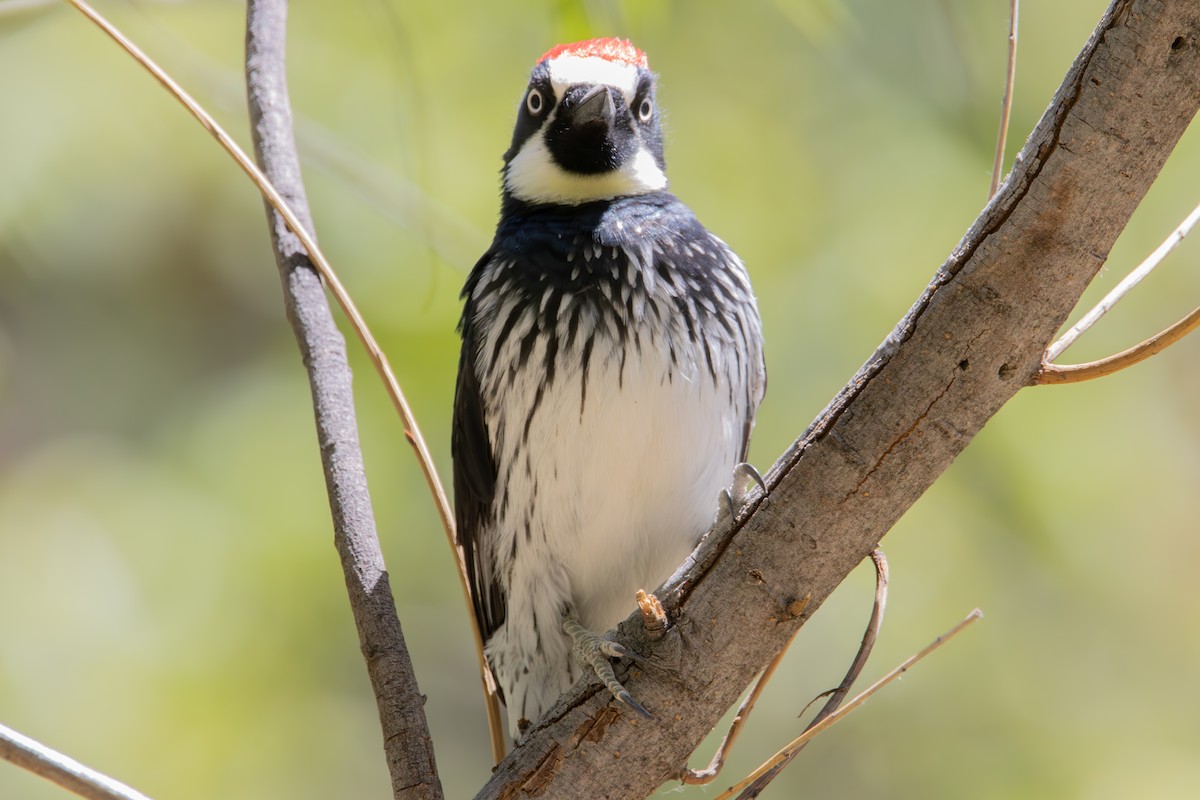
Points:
x=610, y=373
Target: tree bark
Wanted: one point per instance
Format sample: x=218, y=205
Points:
x=406, y=741
x=972, y=340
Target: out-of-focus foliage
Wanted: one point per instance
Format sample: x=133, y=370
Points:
x=171, y=607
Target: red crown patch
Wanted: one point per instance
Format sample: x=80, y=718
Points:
x=610, y=49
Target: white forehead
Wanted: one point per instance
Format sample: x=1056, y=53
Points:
x=566, y=71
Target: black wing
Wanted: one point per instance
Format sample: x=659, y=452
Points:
x=755, y=392
x=748, y=333
x=475, y=484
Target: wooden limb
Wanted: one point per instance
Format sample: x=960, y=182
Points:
x=1075, y=373
x=1006, y=104
x=406, y=740
x=62, y=770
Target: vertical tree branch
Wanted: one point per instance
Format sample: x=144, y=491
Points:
x=406, y=739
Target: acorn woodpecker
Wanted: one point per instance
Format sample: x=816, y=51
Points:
x=611, y=369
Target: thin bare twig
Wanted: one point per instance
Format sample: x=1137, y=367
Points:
x=1121, y=289
x=62, y=770
x=1006, y=104
x=378, y=359
x=710, y=773
x=812, y=731
x=756, y=787
x=702, y=777
x=1076, y=373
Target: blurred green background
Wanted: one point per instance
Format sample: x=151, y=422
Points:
x=171, y=608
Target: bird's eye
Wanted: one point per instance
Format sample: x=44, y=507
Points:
x=645, y=109
x=534, y=102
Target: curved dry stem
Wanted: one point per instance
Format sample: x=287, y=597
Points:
x=1077, y=373
x=810, y=733
x=412, y=431
x=1006, y=103
x=756, y=787
x=62, y=770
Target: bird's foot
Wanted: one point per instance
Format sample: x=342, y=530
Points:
x=593, y=652
x=737, y=495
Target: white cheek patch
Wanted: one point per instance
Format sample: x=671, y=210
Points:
x=566, y=71
x=533, y=176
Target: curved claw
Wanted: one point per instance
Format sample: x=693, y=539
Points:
x=625, y=697
x=736, y=496
x=748, y=470
x=616, y=650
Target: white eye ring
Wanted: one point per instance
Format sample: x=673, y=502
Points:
x=534, y=102
x=645, y=109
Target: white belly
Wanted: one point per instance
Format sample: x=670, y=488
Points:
x=646, y=464
x=612, y=467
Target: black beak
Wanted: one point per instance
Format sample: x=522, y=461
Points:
x=592, y=133
x=595, y=107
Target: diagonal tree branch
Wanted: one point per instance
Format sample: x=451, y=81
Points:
x=972, y=340
x=406, y=739
x=62, y=769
